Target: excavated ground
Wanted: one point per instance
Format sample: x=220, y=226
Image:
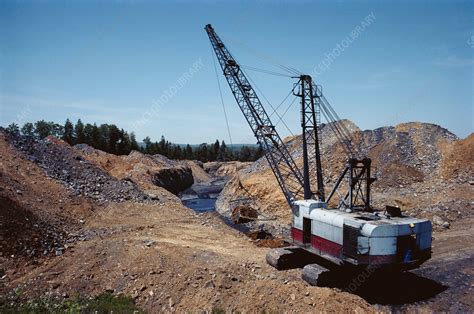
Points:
x=57, y=242
x=161, y=253
x=422, y=168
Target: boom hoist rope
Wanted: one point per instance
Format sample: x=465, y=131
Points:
x=239, y=181
x=295, y=183
x=266, y=58
x=281, y=162
x=268, y=102
x=222, y=98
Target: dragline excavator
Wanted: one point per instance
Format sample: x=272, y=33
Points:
x=352, y=235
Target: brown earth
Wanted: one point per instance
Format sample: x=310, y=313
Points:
x=143, y=170
x=37, y=213
x=220, y=169
x=420, y=167
x=55, y=243
x=170, y=259
x=161, y=253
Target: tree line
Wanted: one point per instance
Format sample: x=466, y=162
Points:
x=114, y=140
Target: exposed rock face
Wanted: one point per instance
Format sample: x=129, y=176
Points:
x=418, y=166
x=224, y=168
x=152, y=173
x=243, y=214
x=174, y=180
x=200, y=175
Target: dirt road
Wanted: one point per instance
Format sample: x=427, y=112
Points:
x=173, y=259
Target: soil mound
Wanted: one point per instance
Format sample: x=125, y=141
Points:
x=23, y=234
x=61, y=162
x=157, y=176
x=420, y=167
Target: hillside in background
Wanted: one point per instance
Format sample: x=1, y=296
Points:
x=422, y=168
x=114, y=140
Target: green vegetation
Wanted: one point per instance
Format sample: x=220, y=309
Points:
x=218, y=151
x=103, y=303
x=217, y=310
x=111, y=139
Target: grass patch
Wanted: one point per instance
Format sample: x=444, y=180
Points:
x=102, y=304
x=217, y=310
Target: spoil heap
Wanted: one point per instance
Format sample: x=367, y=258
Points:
x=421, y=167
x=61, y=162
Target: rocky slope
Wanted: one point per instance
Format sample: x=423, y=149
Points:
x=39, y=215
x=423, y=168
x=61, y=235
x=220, y=169
x=153, y=174
x=63, y=232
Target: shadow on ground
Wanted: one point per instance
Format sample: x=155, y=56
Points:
x=399, y=289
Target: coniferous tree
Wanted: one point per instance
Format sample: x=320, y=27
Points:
x=215, y=150
x=155, y=148
x=245, y=154
x=103, y=138
x=79, y=132
x=176, y=152
x=147, y=142
x=258, y=153
x=133, y=142
x=13, y=128
x=124, y=144
x=42, y=129
x=28, y=129
x=99, y=137
x=188, y=152
x=68, y=132
x=223, y=153
x=162, y=146
x=88, y=134
x=113, y=138
x=57, y=130
x=203, y=153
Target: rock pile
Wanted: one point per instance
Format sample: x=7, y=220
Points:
x=22, y=233
x=151, y=173
x=418, y=166
x=60, y=162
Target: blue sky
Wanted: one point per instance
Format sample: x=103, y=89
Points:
x=110, y=62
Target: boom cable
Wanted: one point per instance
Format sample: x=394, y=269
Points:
x=278, y=107
x=268, y=102
x=264, y=71
x=222, y=98
x=268, y=59
x=284, y=113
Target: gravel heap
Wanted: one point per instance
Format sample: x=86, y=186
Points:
x=412, y=145
x=421, y=167
x=60, y=162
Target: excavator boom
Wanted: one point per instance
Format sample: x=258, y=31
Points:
x=281, y=162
